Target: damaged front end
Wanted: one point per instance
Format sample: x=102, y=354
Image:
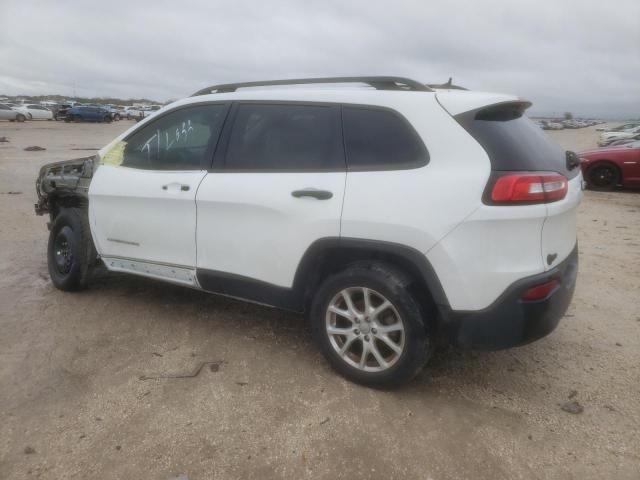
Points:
x=64, y=184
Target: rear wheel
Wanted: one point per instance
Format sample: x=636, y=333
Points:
x=369, y=327
x=70, y=252
x=107, y=119
x=603, y=177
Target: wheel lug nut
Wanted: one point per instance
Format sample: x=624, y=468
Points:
x=374, y=330
x=366, y=337
x=356, y=331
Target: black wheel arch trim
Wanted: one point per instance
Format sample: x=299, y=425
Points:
x=313, y=267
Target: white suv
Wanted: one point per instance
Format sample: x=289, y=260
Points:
x=396, y=216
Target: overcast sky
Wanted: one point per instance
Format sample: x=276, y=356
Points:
x=564, y=55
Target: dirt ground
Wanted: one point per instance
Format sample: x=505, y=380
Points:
x=76, y=400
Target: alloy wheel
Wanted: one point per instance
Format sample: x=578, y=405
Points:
x=365, y=329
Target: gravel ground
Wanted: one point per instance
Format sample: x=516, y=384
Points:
x=81, y=393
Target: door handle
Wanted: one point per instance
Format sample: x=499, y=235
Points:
x=183, y=187
x=312, y=192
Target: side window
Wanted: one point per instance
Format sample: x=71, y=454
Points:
x=269, y=137
x=178, y=140
x=380, y=139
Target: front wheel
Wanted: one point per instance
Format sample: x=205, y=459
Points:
x=20, y=118
x=107, y=119
x=603, y=177
x=369, y=327
x=70, y=252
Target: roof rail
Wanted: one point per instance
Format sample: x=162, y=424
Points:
x=379, y=83
x=446, y=86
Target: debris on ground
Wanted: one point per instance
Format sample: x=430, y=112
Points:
x=573, y=407
x=213, y=366
x=572, y=394
x=618, y=344
x=34, y=148
x=4, y=140
x=28, y=450
x=12, y=193
x=324, y=421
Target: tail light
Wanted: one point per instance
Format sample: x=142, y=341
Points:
x=528, y=188
x=540, y=291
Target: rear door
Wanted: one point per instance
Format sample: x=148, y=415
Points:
x=142, y=197
x=277, y=186
x=35, y=112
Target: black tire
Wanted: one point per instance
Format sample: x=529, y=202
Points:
x=116, y=117
x=20, y=118
x=70, y=253
x=68, y=118
x=603, y=177
x=107, y=119
x=393, y=285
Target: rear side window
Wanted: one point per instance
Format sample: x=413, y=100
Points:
x=280, y=137
x=512, y=141
x=380, y=139
x=180, y=140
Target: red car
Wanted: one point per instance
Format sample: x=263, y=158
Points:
x=605, y=168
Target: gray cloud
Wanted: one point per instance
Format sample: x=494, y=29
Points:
x=582, y=56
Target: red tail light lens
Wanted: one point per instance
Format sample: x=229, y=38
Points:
x=529, y=188
x=540, y=291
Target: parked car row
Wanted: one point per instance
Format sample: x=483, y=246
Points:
x=75, y=112
x=562, y=124
x=620, y=135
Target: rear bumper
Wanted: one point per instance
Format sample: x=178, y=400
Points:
x=510, y=321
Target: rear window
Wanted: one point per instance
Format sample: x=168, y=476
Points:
x=380, y=139
x=512, y=141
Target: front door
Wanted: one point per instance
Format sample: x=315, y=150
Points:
x=142, y=198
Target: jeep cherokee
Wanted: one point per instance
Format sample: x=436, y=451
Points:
x=396, y=215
